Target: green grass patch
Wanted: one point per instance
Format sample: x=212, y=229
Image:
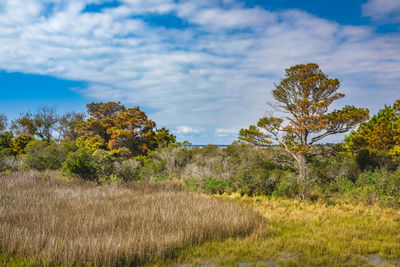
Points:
x=310, y=233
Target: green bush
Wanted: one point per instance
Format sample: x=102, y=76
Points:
x=208, y=185
x=326, y=168
x=104, y=163
x=6, y=158
x=41, y=155
x=213, y=186
x=383, y=183
x=80, y=163
x=284, y=189
x=154, y=169
x=128, y=170
x=342, y=185
x=6, y=140
x=258, y=181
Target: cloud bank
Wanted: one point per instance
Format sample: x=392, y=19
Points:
x=206, y=64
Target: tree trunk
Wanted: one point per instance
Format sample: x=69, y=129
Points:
x=301, y=162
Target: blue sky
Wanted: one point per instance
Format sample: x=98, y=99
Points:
x=204, y=69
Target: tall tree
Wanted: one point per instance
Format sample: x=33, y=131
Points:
x=303, y=98
x=67, y=124
x=126, y=131
x=41, y=124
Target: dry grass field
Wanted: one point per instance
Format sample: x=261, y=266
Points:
x=45, y=220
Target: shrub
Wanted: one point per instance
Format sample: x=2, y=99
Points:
x=326, y=168
x=383, y=183
x=342, y=184
x=103, y=163
x=128, y=170
x=213, y=186
x=80, y=163
x=284, y=189
x=154, y=169
x=41, y=155
x=6, y=140
x=208, y=185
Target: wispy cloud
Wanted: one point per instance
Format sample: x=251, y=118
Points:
x=225, y=132
x=217, y=71
x=382, y=10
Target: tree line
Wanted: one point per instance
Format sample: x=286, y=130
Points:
x=126, y=132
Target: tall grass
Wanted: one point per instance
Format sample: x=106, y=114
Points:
x=59, y=222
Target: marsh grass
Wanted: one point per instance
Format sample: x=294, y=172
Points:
x=301, y=233
x=53, y=221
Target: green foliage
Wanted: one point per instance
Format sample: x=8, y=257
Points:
x=19, y=144
x=304, y=95
x=285, y=189
x=3, y=123
x=6, y=140
x=41, y=155
x=104, y=163
x=208, y=185
x=342, y=184
x=154, y=169
x=5, y=157
x=380, y=133
x=125, y=131
x=128, y=170
x=327, y=164
x=162, y=138
x=91, y=143
x=383, y=183
x=369, y=160
x=80, y=163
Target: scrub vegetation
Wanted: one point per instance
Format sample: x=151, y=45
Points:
x=110, y=188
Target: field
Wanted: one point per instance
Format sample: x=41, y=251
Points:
x=312, y=234
x=52, y=221
x=48, y=219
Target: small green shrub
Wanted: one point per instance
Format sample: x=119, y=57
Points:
x=80, y=163
x=208, y=185
x=104, y=163
x=128, y=170
x=342, y=185
x=284, y=189
x=255, y=181
x=213, y=186
x=383, y=183
x=154, y=169
x=41, y=155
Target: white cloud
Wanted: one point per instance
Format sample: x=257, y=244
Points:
x=224, y=132
x=187, y=130
x=382, y=10
x=236, y=18
x=218, y=71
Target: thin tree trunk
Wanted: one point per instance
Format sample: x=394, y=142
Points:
x=301, y=162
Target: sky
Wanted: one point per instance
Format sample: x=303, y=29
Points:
x=204, y=69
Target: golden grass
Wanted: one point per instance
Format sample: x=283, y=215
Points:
x=52, y=221
x=310, y=234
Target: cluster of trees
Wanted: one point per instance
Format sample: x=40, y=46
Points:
x=123, y=132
